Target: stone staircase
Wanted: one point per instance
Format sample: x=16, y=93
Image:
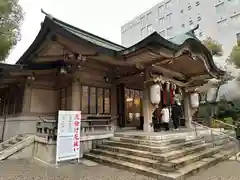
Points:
x=14, y=144
x=163, y=158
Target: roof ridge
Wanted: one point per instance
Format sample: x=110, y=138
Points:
x=51, y=17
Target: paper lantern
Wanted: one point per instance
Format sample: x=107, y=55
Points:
x=155, y=94
x=194, y=100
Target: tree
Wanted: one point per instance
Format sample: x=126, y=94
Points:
x=11, y=16
x=235, y=55
x=214, y=46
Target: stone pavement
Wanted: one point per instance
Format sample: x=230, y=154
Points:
x=33, y=170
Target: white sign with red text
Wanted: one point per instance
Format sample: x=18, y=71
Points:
x=68, y=135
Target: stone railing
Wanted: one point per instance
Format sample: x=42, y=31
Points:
x=47, y=128
x=93, y=125
x=90, y=125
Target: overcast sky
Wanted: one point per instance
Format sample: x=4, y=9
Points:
x=103, y=18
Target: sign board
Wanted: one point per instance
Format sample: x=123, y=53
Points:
x=68, y=135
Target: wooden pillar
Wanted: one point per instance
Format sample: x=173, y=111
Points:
x=147, y=106
x=187, y=110
x=27, y=98
x=76, y=92
x=121, y=105
x=113, y=102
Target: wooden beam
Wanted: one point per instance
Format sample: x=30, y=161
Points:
x=168, y=71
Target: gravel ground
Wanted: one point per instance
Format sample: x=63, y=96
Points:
x=33, y=170
x=228, y=170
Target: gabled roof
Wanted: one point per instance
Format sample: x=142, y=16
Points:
x=88, y=36
x=176, y=44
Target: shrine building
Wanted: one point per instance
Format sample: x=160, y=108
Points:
x=66, y=68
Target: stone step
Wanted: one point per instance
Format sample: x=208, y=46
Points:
x=203, y=164
x=13, y=142
x=180, y=174
x=163, y=136
x=183, y=152
x=188, y=159
x=158, y=156
x=155, y=148
x=6, y=145
x=130, y=158
x=148, y=142
x=148, y=171
x=168, y=166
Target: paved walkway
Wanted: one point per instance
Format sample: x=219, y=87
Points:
x=32, y=170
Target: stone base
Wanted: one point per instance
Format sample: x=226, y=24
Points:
x=172, y=157
x=147, y=127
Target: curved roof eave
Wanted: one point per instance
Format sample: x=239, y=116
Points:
x=52, y=24
x=156, y=39
x=49, y=26
x=39, y=39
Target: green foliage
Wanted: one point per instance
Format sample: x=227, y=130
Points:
x=214, y=46
x=235, y=55
x=11, y=16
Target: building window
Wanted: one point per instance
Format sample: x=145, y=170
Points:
x=168, y=4
x=233, y=2
x=143, y=31
x=222, y=25
x=190, y=22
x=100, y=100
x=149, y=29
x=199, y=18
x=162, y=33
x=149, y=15
x=142, y=20
x=161, y=21
x=169, y=32
x=106, y=101
x=85, y=103
x=220, y=8
x=95, y=100
x=160, y=9
x=181, y=11
x=236, y=19
x=238, y=36
x=189, y=7
x=183, y=25
x=197, y=3
x=169, y=17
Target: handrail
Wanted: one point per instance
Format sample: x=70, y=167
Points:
x=212, y=129
x=230, y=125
x=20, y=142
x=43, y=119
x=11, y=138
x=220, y=133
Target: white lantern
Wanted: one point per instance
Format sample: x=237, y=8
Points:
x=155, y=94
x=194, y=100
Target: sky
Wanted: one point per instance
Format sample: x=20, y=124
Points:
x=103, y=18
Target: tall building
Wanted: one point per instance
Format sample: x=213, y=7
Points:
x=219, y=19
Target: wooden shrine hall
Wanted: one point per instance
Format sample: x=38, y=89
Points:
x=66, y=68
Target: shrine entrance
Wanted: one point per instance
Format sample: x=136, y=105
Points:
x=133, y=107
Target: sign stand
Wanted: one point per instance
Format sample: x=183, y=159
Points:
x=68, y=136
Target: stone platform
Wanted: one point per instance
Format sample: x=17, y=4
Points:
x=163, y=155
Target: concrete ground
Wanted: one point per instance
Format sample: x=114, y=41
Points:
x=34, y=170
